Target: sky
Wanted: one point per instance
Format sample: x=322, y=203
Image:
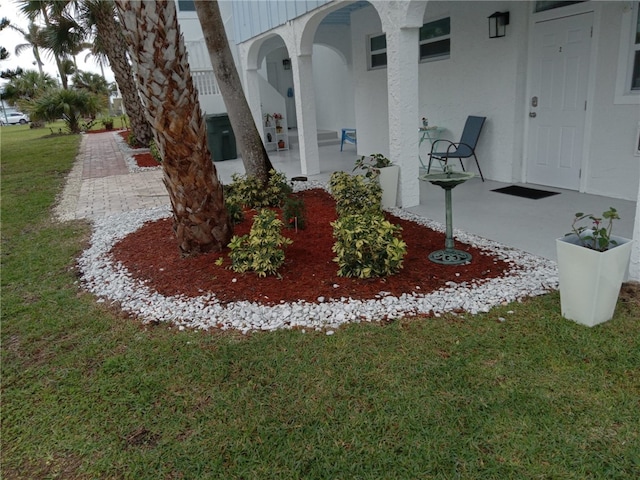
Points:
x=9, y=38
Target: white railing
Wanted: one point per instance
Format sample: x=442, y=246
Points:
x=205, y=82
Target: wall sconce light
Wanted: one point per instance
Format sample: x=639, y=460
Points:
x=498, y=22
x=286, y=63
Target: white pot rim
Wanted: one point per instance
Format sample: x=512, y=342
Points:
x=573, y=240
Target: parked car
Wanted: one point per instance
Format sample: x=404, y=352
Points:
x=14, y=118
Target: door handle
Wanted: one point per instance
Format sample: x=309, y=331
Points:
x=532, y=114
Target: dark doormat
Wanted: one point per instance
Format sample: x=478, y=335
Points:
x=525, y=192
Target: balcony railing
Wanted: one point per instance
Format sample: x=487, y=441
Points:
x=205, y=82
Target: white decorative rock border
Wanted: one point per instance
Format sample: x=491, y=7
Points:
x=110, y=281
x=129, y=152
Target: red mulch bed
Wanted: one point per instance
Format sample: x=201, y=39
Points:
x=151, y=255
x=125, y=136
x=145, y=160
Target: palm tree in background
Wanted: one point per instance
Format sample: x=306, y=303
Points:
x=70, y=105
x=71, y=24
x=33, y=9
x=200, y=218
x=4, y=23
x=99, y=16
x=35, y=39
x=91, y=82
x=27, y=86
x=66, y=38
x=97, y=52
x=68, y=69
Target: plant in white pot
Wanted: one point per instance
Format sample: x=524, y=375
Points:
x=591, y=267
x=380, y=168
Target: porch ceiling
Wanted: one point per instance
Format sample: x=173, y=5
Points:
x=343, y=16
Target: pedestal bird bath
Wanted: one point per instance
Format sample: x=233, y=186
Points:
x=448, y=180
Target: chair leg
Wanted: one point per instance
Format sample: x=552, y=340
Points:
x=478, y=165
x=462, y=165
x=440, y=159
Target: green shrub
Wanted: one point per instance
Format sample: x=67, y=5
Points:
x=132, y=141
x=107, y=122
x=294, y=213
x=262, y=250
x=234, y=209
x=367, y=246
x=70, y=105
x=355, y=195
x=155, y=151
x=278, y=189
x=88, y=125
x=249, y=191
x=372, y=164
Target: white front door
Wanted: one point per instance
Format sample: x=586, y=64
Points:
x=558, y=102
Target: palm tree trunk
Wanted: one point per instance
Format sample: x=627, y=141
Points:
x=151, y=29
x=254, y=156
x=115, y=47
x=36, y=54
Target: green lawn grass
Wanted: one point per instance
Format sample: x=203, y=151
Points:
x=90, y=393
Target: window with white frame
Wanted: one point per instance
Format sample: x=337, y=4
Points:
x=377, y=51
x=543, y=6
x=628, y=76
x=634, y=82
x=435, y=40
x=186, y=5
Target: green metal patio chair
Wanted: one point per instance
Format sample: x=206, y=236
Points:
x=465, y=148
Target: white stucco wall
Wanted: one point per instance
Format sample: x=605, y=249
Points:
x=488, y=77
x=333, y=83
x=370, y=87
x=484, y=77
x=198, y=55
x=333, y=77
x=612, y=170
x=281, y=80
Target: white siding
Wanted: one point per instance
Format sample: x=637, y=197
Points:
x=613, y=170
x=254, y=17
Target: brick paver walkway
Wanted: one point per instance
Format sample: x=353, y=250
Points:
x=100, y=183
x=101, y=157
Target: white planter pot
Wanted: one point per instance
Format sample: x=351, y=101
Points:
x=590, y=281
x=389, y=182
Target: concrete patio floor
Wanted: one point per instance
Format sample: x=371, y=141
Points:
x=101, y=185
x=528, y=225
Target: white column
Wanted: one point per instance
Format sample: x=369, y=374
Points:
x=252, y=92
x=306, y=114
x=634, y=266
x=403, y=99
x=250, y=78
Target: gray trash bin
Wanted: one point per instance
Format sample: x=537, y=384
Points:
x=220, y=137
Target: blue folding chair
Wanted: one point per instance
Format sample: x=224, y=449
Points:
x=348, y=135
x=465, y=148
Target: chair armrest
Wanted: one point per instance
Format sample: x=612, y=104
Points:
x=453, y=150
x=457, y=149
x=435, y=142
